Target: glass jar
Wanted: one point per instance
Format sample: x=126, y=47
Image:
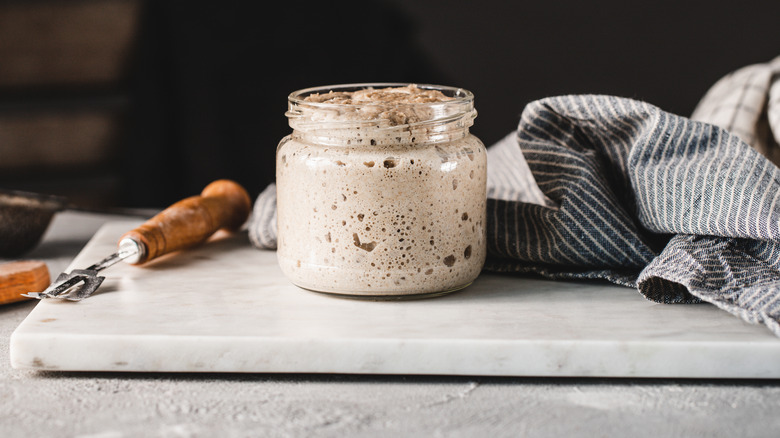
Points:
x=382, y=198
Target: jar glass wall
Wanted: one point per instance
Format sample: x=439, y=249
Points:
x=381, y=191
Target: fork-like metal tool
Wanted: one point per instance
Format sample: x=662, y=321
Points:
x=222, y=204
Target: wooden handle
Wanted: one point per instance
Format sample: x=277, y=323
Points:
x=17, y=278
x=222, y=204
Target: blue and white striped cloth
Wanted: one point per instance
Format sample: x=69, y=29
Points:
x=682, y=210
x=601, y=187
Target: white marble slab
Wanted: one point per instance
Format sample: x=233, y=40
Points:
x=225, y=307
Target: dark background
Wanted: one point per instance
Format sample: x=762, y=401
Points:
x=196, y=91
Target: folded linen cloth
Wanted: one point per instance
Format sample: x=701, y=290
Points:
x=746, y=102
x=601, y=187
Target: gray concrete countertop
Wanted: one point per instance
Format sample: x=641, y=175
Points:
x=57, y=404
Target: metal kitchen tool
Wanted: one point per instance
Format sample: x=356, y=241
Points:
x=222, y=204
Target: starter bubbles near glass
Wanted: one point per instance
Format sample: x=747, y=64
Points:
x=381, y=191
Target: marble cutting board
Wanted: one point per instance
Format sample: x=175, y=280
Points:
x=226, y=307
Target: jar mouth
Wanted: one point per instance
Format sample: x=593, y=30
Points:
x=310, y=115
x=455, y=93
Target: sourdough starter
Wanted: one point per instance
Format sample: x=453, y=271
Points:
x=377, y=197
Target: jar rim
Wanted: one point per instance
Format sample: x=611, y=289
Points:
x=306, y=115
x=458, y=95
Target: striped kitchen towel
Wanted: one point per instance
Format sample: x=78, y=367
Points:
x=602, y=187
